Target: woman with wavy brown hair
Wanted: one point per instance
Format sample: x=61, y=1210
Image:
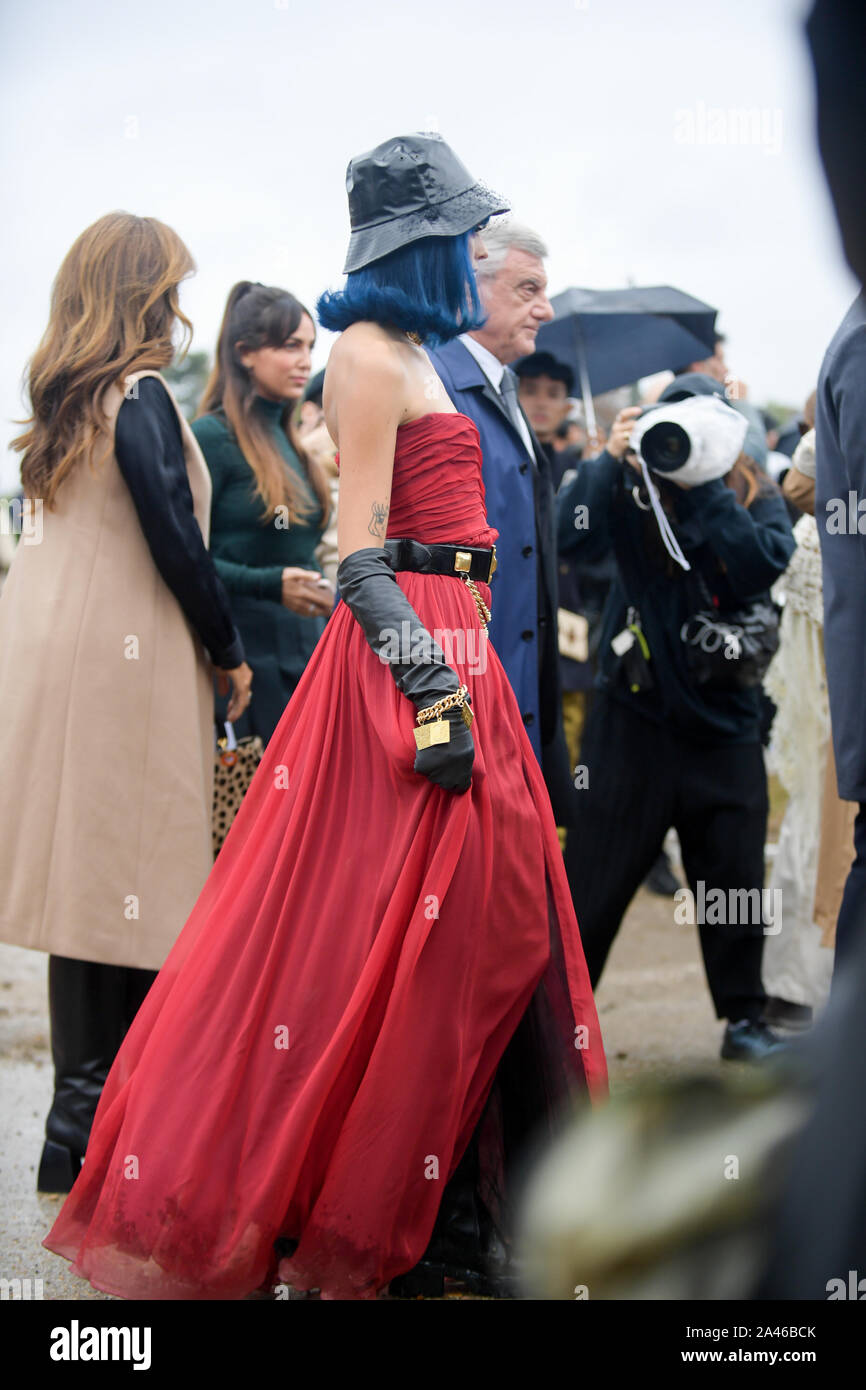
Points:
x=104, y=679
x=271, y=499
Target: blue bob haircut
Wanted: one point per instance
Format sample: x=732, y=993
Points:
x=427, y=287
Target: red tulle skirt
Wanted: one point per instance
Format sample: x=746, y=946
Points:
x=323, y=1039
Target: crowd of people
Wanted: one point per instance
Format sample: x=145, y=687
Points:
x=239, y=572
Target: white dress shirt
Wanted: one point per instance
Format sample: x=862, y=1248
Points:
x=494, y=370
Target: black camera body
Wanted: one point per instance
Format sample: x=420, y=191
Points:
x=665, y=446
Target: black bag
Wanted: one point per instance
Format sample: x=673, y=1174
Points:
x=730, y=650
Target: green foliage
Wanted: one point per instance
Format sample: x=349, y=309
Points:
x=782, y=413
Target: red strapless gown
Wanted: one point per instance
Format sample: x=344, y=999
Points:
x=326, y=1031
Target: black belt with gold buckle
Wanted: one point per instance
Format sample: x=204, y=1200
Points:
x=475, y=562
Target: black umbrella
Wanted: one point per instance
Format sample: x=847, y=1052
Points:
x=613, y=337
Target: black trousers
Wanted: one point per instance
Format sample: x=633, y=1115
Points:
x=641, y=778
x=851, y=923
x=91, y=1007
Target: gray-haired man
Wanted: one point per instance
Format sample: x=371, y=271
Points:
x=518, y=486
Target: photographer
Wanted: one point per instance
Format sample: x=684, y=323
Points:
x=667, y=741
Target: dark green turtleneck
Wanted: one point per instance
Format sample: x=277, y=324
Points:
x=249, y=556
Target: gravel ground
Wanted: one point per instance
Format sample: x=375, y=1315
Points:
x=655, y=1012
x=26, y=1087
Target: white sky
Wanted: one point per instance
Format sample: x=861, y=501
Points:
x=244, y=113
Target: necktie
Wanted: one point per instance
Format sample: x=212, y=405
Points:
x=508, y=391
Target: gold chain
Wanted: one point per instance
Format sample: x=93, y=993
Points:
x=447, y=702
x=484, y=614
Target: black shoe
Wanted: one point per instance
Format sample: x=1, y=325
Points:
x=782, y=1013
x=749, y=1040
x=661, y=879
x=434, y=1278
x=59, y=1166
x=425, y=1280
x=465, y=1252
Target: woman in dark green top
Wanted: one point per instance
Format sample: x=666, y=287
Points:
x=270, y=501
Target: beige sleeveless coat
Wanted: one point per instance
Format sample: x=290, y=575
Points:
x=106, y=732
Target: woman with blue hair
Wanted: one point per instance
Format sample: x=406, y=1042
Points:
x=382, y=986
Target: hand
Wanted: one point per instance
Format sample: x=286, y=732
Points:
x=241, y=679
x=307, y=593
x=620, y=434
x=311, y=420
x=449, y=765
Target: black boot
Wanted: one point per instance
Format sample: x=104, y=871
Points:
x=91, y=1007
x=464, y=1248
x=456, y=1236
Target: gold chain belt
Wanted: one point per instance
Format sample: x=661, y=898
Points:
x=484, y=614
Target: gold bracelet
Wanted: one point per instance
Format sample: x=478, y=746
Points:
x=433, y=728
x=458, y=697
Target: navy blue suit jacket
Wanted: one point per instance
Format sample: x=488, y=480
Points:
x=519, y=496
x=840, y=457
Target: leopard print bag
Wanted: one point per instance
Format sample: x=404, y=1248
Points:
x=234, y=769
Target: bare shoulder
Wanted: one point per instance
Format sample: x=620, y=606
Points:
x=366, y=346
x=366, y=366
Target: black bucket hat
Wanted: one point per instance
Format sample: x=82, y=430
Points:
x=409, y=187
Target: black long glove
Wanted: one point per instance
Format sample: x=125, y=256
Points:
x=369, y=587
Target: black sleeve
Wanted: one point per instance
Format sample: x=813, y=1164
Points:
x=584, y=509
x=149, y=453
x=755, y=544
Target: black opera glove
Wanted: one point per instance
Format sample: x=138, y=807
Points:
x=449, y=764
x=369, y=587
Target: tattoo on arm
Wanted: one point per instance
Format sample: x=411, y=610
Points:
x=378, y=520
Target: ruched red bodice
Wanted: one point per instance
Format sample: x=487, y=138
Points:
x=437, y=493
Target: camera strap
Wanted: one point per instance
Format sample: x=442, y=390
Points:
x=671, y=544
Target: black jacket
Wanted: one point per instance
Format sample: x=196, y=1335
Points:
x=739, y=551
